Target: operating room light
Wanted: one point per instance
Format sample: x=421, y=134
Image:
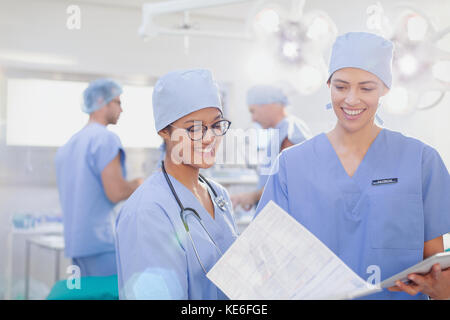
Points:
x=417, y=28
x=430, y=99
x=267, y=20
x=318, y=28
x=441, y=71
x=421, y=56
x=35, y=58
x=397, y=101
x=291, y=49
x=408, y=64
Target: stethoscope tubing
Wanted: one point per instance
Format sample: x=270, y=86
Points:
x=183, y=214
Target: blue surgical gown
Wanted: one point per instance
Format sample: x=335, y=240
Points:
x=87, y=212
x=366, y=225
x=155, y=257
x=292, y=128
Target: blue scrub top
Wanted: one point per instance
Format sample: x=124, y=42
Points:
x=290, y=127
x=155, y=258
x=162, y=154
x=87, y=212
x=366, y=225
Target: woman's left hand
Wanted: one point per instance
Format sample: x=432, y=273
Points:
x=435, y=284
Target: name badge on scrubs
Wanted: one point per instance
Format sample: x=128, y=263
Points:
x=384, y=181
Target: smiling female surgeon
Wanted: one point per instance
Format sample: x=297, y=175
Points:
x=379, y=200
x=164, y=252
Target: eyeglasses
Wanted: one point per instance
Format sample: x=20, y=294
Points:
x=198, y=131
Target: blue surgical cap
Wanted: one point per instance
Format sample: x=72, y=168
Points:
x=182, y=92
x=365, y=51
x=99, y=93
x=264, y=94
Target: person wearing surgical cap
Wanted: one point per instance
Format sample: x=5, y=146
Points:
x=177, y=224
x=90, y=171
x=378, y=199
x=267, y=105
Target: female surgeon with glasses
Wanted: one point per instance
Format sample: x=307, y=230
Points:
x=378, y=199
x=176, y=226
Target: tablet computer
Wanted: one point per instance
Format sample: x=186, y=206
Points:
x=423, y=267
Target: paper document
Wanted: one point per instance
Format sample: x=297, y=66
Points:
x=277, y=258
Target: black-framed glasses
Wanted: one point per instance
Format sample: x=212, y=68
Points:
x=198, y=131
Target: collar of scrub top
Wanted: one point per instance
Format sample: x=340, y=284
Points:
x=219, y=200
x=185, y=211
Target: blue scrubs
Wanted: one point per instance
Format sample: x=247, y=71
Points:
x=162, y=154
x=87, y=212
x=366, y=224
x=97, y=265
x=155, y=257
x=292, y=128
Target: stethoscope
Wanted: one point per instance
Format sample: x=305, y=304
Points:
x=184, y=212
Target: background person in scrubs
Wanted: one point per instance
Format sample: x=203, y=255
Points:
x=90, y=171
x=155, y=255
x=379, y=200
x=267, y=105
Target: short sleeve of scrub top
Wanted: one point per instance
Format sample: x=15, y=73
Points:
x=160, y=270
x=104, y=149
x=88, y=228
x=275, y=188
x=435, y=194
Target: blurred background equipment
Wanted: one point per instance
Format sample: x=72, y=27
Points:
x=421, y=64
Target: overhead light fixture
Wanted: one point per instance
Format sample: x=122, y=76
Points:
x=441, y=71
x=290, y=36
x=318, y=28
x=298, y=40
x=151, y=10
x=291, y=50
x=417, y=27
x=420, y=66
x=35, y=58
x=268, y=20
x=408, y=64
x=430, y=99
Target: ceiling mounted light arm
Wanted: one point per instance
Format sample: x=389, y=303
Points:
x=150, y=10
x=190, y=32
x=440, y=34
x=435, y=102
